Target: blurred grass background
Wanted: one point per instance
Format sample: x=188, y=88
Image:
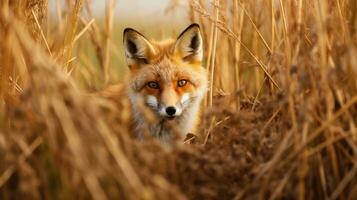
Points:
x=157, y=20
x=279, y=119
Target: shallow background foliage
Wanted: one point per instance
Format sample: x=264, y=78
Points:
x=279, y=118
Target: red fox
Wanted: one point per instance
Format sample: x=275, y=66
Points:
x=166, y=77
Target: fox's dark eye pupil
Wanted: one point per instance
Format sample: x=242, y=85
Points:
x=153, y=85
x=182, y=83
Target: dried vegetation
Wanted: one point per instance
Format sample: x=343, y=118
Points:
x=280, y=118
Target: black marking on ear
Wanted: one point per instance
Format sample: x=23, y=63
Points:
x=133, y=30
x=189, y=27
x=132, y=48
x=195, y=43
x=127, y=30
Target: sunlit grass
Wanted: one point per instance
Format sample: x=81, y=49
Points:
x=279, y=121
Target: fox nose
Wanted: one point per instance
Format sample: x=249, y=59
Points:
x=171, y=110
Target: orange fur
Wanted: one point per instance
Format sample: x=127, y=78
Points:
x=166, y=78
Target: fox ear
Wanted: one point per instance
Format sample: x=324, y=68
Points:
x=189, y=44
x=138, y=49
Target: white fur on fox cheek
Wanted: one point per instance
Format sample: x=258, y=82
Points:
x=185, y=98
x=151, y=100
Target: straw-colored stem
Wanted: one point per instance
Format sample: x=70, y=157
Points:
x=108, y=35
x=238, y=29
x=41, y=32
x=213, y=57
x=71, y=29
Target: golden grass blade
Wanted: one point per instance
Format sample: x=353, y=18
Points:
x=238, y=30
x=71, y=29
x=256, y=29
x=41, y=32
x=254, y=142
x=108, y=35
x=79, y=35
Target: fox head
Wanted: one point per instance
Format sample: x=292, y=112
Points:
x=167, y=76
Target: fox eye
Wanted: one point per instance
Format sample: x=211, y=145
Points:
x=153, y=85
x=181, y=83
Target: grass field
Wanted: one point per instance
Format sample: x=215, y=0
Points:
x=279, y=119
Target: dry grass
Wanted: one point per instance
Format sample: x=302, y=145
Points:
x=282, y=124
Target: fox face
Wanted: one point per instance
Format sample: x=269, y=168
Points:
x=167, y=77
